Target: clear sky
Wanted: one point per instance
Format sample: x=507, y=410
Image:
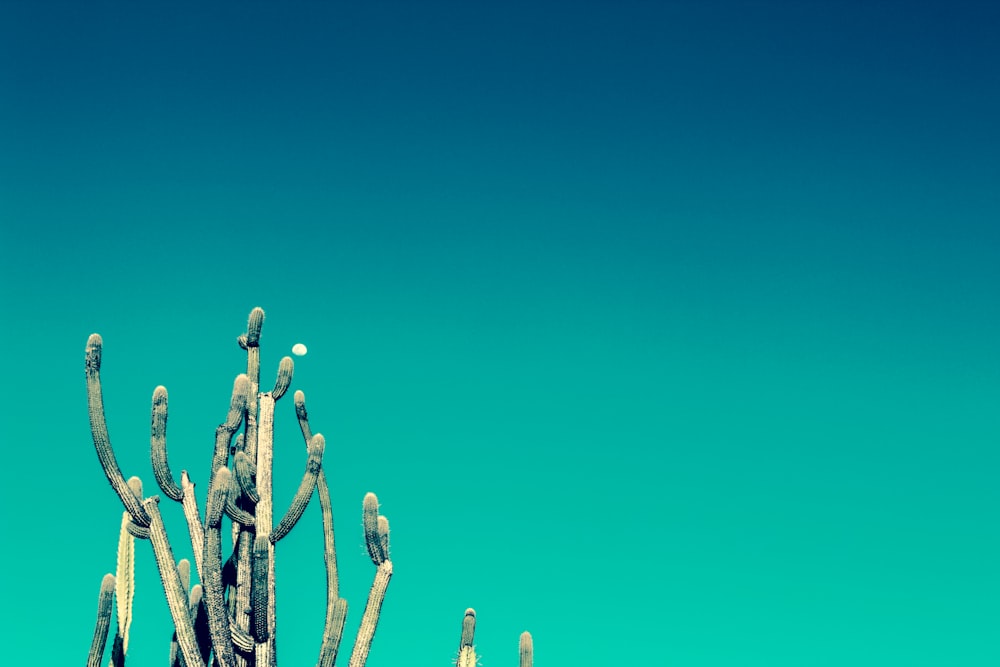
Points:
x=664, y=330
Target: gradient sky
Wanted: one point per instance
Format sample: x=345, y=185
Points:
x=664, y=330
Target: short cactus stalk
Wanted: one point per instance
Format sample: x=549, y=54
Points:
x=227, y=617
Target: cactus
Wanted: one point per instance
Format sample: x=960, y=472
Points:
x=228, y=617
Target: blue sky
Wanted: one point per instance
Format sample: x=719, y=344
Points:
x=658, y=327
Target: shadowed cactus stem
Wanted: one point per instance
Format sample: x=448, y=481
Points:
x=466, y=650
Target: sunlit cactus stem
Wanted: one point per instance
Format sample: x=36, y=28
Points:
x=527, y=649
x=125, y=581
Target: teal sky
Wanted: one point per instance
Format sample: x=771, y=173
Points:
x=664, y=330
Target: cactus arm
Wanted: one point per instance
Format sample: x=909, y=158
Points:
x=286, y=368
x=103, y=620
x=244, y=476
x=177, y=600
x=215, y=604
x=225, y=431
x=366, y=632
x=99, y=432
x=377, y=540
x=336, y=607
x=305, y=490
x=369, y=519
x=527, y=649
x=240, y=516
x=125, y=580
x=158, y=445
x=250, y=341
x=466, y=650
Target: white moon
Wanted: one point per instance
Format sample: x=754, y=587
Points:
x=299, y=349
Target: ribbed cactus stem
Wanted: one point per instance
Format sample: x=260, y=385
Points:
x=244, y=476
x=369, y=621
x=527, y=649
x=225, y=431
x=369, y=520
x=158, y=446
x=254, y=324
x=466, y=650
x=99, y=433
x=336, y=607
x=333, y=632
x=251, y=343
x=239, y=515
x=258, y=589
x=377, y=540
x=103, y=623
x=125, y=580
x=193, y=517
x=286, y=368
x=170, y=578
x=265, y=506
x=215, y=604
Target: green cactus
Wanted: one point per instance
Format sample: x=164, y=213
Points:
x=228, y=617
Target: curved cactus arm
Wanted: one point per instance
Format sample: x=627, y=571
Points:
x=177, y=599
x=240, y=516
x=377, y=539
x=125, y=580
x=336, y=607
x=466, y=651
x=305, y=490
x=527, y=649
x=286, y=368
x=158, y=445
x=103, y=620
x=99, y=432
x=370, y=521
x=225, y=431
x=244, y=473
x=214, y=595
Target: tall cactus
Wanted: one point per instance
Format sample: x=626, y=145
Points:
x=228, y=617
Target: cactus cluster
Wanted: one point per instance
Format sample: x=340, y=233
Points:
x=228, y=619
